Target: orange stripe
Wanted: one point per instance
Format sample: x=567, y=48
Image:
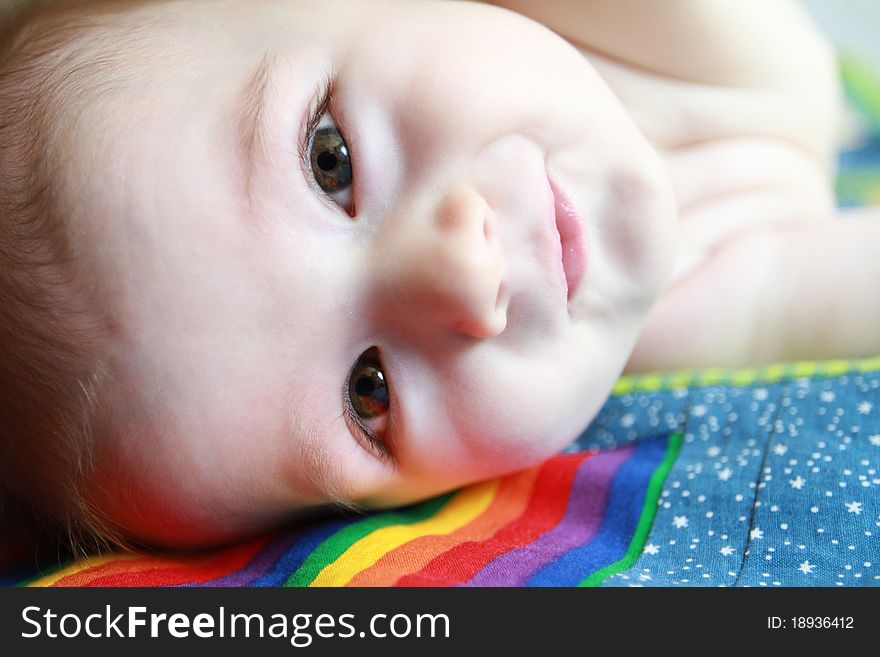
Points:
x=510, y=500
x=93, y=563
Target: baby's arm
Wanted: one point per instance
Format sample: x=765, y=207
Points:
x=720, y=68
x=726, y=42
x=785, y=292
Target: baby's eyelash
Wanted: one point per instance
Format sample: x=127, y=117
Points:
x=317, y=110
x=355, y=423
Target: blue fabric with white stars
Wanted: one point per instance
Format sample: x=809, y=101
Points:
x=777, y=484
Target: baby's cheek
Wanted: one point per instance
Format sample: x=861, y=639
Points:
x=146, y=503
x=129, y=506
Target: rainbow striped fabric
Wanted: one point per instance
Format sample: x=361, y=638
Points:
x=746, y=478
x=573, y=520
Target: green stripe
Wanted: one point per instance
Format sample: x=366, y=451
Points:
x=858, y=184
x=862, y=86
x=333, y=547
x=42, y=574
x=649, y=510
x=660, y=381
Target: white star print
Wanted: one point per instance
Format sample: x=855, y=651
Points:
x=825, y=436
x=854, y=507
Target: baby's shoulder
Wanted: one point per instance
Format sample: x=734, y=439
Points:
x=676, y=114
x=696, y=70
x=748, y=149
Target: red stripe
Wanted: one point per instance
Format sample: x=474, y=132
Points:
x=545, y=510
x=168, y=571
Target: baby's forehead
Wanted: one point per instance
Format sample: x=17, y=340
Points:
x=40, y=70
x=47, y=51
x=37, y=28
x=38, y=34
x=60, y=61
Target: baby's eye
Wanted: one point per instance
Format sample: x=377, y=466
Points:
x=368, y=400
x=331, y=163
x=367, y=389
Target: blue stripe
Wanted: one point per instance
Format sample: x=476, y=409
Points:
x=618, y=525
x=293, y=558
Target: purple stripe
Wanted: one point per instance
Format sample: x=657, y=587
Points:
x=256, y=567
x=590, y=491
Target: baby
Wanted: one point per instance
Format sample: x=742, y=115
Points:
x=258, y=257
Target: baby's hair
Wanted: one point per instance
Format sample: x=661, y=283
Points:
x=51, y=371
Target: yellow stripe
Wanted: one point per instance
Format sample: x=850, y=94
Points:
x=743, y=378
x=657, y=381
x=804, y=369
x=82, y=566
x=462, y=509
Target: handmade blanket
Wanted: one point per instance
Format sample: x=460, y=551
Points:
x=752, y=478
x=765, y=477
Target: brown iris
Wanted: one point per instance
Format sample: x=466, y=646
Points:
x=331, y=164
x=366, y=387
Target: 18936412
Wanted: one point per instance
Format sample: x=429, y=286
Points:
x=811, y=623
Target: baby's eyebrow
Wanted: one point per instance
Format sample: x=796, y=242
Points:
x=251, y=119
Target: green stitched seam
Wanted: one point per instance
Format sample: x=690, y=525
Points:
x=646, y=519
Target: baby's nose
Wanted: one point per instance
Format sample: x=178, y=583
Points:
x=448, y=268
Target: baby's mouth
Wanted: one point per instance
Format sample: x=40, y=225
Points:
x=570, y=226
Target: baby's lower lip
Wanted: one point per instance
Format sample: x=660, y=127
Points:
x=570, y=225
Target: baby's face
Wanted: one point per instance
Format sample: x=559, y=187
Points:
x=433, y=279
